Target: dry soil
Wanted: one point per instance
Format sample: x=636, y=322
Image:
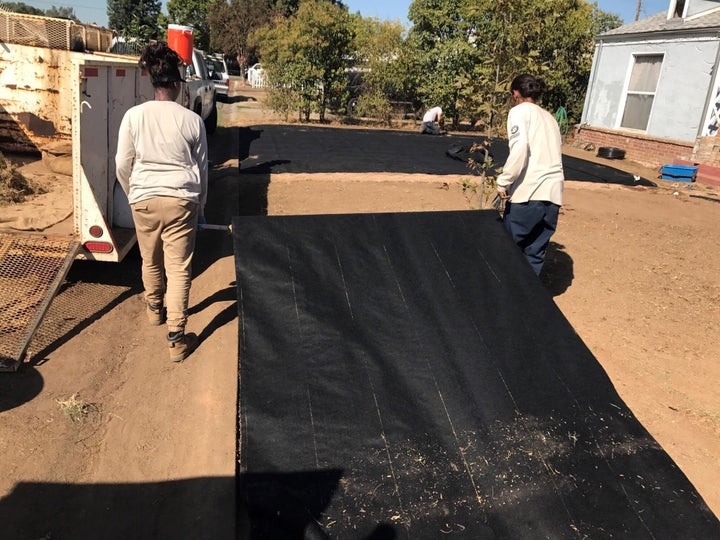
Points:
x=634, y=269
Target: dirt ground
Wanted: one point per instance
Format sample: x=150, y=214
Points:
x=634, y=269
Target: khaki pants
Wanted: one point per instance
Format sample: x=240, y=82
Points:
x=166, y=228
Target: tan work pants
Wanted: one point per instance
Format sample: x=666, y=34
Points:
x=166, y=228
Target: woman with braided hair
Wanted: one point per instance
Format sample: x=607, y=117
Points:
x=161, y=164
x=532, y=178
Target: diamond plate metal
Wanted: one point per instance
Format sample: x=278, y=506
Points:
x=32, y=268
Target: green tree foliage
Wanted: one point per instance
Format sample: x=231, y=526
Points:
x=376, y=48
x=232, y=21
x=21, y=7
x=439, y=53
x=190, y=13
x=62, y=13
x=289, y=7
x=305, y=56
x=57, y=12
x=135, y=18
x=468, y=51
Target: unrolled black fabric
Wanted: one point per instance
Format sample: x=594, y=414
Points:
x=307, y=149
x=408, y=376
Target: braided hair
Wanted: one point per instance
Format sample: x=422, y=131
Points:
x=529, y=86
x=162, y=63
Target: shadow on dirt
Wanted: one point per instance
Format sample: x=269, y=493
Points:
x=557, y=273
x=17, y=388
x=90, y=291
x=227, y=315
x=166, y=509
x=120, y=511
x=238, y=99
x=93, y=289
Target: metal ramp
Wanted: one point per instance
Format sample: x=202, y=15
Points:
x=32, y=268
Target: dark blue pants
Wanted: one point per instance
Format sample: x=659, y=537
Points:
x=531, y=225
x=431, y=128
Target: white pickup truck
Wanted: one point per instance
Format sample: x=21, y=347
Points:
x=201, y=95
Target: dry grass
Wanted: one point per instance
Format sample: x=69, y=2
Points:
x=14, y=187
x=76, y=409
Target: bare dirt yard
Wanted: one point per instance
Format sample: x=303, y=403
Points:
x=97, y=414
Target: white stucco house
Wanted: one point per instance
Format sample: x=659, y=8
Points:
x=654, y=89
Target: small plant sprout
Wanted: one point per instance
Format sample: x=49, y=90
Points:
x=483, y=189
x=75, y=409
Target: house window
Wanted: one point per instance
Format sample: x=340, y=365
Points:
x=641, y=91
x=678, y=9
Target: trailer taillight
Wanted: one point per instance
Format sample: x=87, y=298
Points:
x=98, y=247
x=96, y=231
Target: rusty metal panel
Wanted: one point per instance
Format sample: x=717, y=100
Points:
x=51, y=32
x=32, y=268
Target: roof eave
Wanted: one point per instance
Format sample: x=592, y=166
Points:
x=660, y=34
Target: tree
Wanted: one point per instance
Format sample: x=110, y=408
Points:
x=468, y=51
x=56, y=12
x=21, y=7
x=376, y=48
x=62, y=13
x=305, y=55
x=135, y=18
x=190, y=13
x=551, y=38
x=439, y=53
x=290, y=7
x=231, y=22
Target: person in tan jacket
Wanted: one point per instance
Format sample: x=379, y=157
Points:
x=161, y=164
x=532, y=178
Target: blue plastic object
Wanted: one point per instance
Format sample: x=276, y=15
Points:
x=679, y=173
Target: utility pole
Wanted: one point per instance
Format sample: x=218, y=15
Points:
x=637, y=11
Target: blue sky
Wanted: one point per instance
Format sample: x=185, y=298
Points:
x=398, y=9
x=96, y=12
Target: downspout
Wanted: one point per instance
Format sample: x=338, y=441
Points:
x=712, y=91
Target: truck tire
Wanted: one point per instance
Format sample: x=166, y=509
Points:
x=211, y=120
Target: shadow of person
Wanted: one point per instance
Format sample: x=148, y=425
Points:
x=19, y=387
x=226, y=316
x=120, y=510
x=557, y=273
x=383, y=531
x=246, y=135
x=265, y=167
x=292, y=505
x=239, y=99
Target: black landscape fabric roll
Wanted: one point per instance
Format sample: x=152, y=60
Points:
x=408, y=376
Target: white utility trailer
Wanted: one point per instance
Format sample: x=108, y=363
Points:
x=49, y=96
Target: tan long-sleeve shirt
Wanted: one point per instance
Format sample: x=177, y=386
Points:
x=533, y=170
x=162, y=152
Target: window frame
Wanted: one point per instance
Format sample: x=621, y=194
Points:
x=627, y=92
